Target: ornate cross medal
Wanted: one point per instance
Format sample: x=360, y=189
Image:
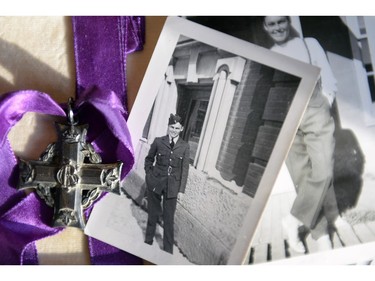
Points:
x=69, y=175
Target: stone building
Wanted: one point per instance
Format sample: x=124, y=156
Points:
x=233, y=109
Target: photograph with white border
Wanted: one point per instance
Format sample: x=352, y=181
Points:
x=346, y=48
x=237, y=107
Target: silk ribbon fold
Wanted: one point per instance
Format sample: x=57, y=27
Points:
x=101, y=103
x=101, y=45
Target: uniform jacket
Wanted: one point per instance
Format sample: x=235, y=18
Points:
x=166, y=167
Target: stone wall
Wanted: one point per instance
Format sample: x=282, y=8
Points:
x=208, y=219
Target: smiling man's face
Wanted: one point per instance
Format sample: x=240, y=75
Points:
x=278, y=27
x=174, y=130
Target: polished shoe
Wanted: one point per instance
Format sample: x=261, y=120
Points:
x=324, y=243
x=290, y=227
x=168, y=250
x=149, y=242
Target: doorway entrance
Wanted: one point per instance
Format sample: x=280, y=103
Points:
x=192, y=106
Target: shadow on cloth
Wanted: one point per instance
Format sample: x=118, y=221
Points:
x=348, y=168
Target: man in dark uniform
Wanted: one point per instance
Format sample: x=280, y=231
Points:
x=167, y=167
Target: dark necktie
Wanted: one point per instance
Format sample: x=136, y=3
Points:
x=172, y=144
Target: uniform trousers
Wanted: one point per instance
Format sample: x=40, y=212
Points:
x=310, y=164
x=160, y=205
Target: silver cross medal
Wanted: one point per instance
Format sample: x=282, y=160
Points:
x=69, y=175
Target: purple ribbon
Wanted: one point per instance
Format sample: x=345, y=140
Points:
x=23, y=219
x=101, y=45
x=101, y=102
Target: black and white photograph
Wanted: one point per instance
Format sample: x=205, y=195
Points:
x=336, y=224
x=211, y=127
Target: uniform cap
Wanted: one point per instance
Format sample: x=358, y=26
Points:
x=173, y=119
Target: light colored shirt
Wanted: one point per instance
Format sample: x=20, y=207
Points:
x=310, y=51
x=174, y=139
